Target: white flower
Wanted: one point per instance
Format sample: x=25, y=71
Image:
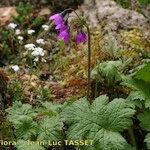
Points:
x=31, y=31
x=43, y=60
x=17, y=32
x=29, y=46
x=40, y=41
x=15, y=68
x=38, y=51
x=45, y=27
x=36, y=59
x=20, y=38
x=12, y=25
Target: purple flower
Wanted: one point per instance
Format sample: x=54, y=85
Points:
x=62, y=27
x=64, y=35
x=81, y=37
x=57, y=18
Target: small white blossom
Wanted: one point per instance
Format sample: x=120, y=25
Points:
x=29, y=46
x=20, y=38
x=31, y=31
x=140, y=54
x=12, y=25
x=38, y=51
x=17, y=32
x=15, y=68
x=43, y=60
x=36, y=59
x=45, y=27
x=40, y=41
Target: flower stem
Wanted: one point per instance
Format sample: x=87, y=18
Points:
x=84, y=23
x=89, y=54
x=89, y=64
x=132, y=136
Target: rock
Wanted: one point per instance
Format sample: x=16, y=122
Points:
x=6, y=14
x=110, y=15
x=44, y=12
x=147, y=11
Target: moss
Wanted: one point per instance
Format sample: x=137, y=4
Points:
x=134, y=42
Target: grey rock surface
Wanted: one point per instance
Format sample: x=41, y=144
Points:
x=111, y=16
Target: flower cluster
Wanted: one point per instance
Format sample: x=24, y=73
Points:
x=63, y=30
x=16, y=31
x=40, y=41
x=36, y=51
x=29, y=46
x=61, y=27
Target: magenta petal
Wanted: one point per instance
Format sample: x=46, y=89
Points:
x=81, y=37
x=64, y=35
x=58, y=26
x=57, y=18
x=61, y=27
x=53, y=17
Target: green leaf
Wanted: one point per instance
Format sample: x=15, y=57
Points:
x=144, y=87
x=141, y=80
x=19, y=109
x=136, y=95
x=141, y=87
x=50, y=129
x=25, y=127
x=25, y=145
x=145, y=120
x=109, y=69
x=21, y=115
x=50, y=109
x=136, y=98
x=147, y=140
x=143, y=73
x=145, y=124
x=102, y=121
